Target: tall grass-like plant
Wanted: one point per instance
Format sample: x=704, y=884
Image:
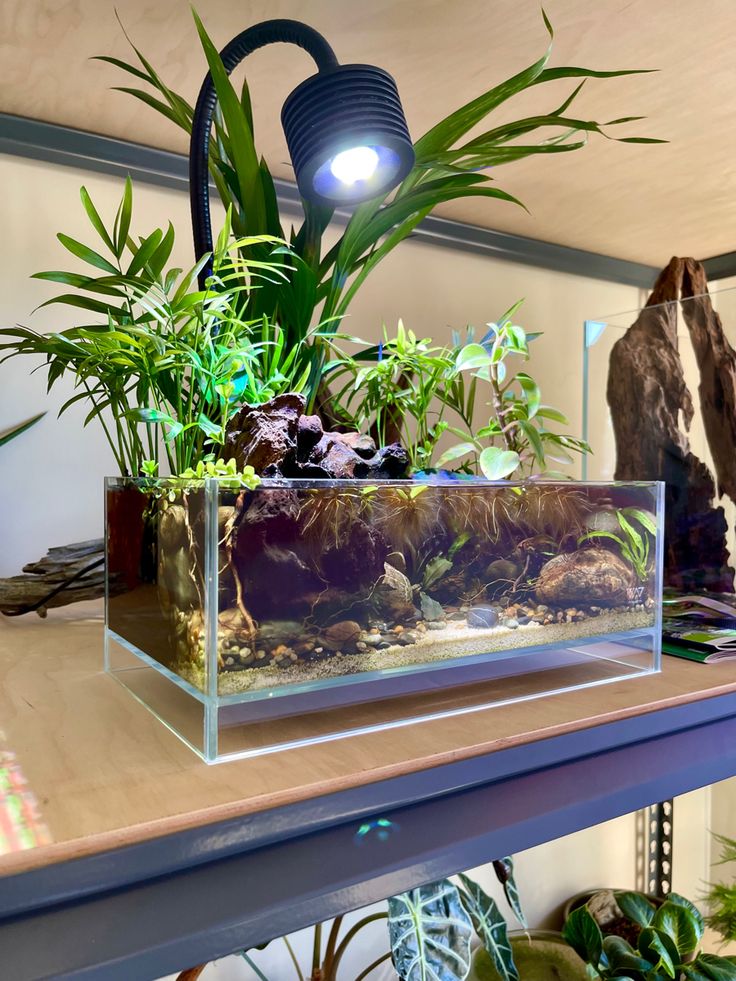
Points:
x=449, y=165
x=162, y=360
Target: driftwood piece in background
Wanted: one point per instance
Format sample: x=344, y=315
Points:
x=717, y=365
x=647, y=394
x=42, y=578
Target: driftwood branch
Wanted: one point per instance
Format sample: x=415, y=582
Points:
x=42, y=578
x=648, y=398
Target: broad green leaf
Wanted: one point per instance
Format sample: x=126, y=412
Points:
x=678, y=923
x=150, y=415
x=636, y=907
x=456, y=453
x=8, y=434
x=85, y=253
x=547, y=412
x=584, y=935
x=430, y=934
x=490, y=925
x=472, y=356
x=622, y=956
x=678, y=900
x=496, y=464
x=531, y=391
x=207, y=426
x=716, y=968
x=660, y=951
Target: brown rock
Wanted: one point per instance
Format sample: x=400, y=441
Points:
x=590, y=575
x=342, y=636
x=265, y=436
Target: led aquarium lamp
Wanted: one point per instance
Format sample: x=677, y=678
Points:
x=345, y=128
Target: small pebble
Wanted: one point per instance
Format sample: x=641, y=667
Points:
x=318, y=650
x=524, y=619
x=361, y=645
x=482, y=616
x=511, y=622
x=371, y=639
x=436, y=625
x=398, y=629
x=408, y=637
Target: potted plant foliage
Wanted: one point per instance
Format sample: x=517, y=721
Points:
x=663, y=943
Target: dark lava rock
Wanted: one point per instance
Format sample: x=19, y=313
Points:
x=278, y=440
x=590, y=575
x=358, y=559
x=276, y=578
x=482, y=616
x=264, y=436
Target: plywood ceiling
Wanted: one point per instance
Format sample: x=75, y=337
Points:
x=635, y=202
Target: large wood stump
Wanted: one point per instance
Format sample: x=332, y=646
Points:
x=648, y=398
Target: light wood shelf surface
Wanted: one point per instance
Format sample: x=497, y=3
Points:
x=106, y=773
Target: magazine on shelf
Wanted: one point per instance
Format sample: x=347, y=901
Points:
x=700, y=627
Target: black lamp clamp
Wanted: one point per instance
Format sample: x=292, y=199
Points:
x=345, y=128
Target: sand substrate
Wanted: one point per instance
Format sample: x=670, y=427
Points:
x=453, y=641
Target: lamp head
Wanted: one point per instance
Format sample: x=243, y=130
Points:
x=347, y=135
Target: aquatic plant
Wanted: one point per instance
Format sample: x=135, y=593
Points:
x=667, y=945
x=446, y=168
x=634, y=545
x=406, y=516
x=326, y=515
x=163, y=358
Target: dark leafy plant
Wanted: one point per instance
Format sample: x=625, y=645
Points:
x=163, y=358
x=633, y=543
x=430, y=931
x=448, y=166
x=668, y=945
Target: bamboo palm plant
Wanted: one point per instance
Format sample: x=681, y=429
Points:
x=449, y=165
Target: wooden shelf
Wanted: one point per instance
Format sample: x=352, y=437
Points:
x=125, y=802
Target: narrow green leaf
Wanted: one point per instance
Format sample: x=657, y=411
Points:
x=95, y=219
x=85, y=253
x=8, y=434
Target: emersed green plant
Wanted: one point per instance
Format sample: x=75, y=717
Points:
x=7, y=434
x=668, y=946
x=164, y=359
x=520, y=441
x=416, y=390
x=446, y=168
x=226, y=473
x=634, y=545
x=397, y=392
x=721, y=896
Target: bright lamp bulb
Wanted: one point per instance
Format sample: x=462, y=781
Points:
x=357, y=164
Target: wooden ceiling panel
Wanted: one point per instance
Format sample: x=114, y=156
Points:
x=643, y=203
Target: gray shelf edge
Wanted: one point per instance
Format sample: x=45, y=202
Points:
x=62, y=145
x=443, y=820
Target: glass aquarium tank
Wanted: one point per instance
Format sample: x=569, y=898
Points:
x=257, y=620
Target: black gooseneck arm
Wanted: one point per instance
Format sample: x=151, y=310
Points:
x=267, y=32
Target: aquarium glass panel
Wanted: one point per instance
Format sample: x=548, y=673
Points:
x=307, y=610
